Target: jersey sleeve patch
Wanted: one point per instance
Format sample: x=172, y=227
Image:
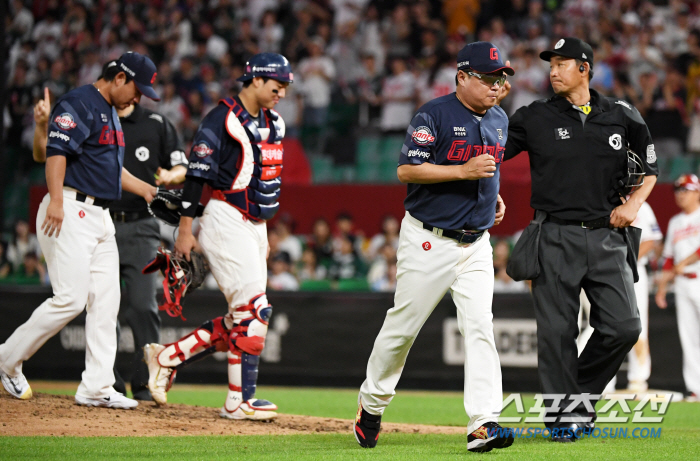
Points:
x=420, y=141
x=69, y=126
x=204, y=154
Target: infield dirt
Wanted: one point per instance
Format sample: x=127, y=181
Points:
x=47, y=414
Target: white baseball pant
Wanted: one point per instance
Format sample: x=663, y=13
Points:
x=236, y=249
x=423, y=277
x=83, y=264
x=688, y=316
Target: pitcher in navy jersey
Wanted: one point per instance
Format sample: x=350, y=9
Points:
x=237, y=150
x=84, y=174
x=450, y=160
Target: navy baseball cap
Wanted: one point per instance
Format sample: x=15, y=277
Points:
x=570, y=47
x=482, y=57
x=142, y=70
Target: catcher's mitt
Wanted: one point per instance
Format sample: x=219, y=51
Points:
x=167, y=204
x=180, y=277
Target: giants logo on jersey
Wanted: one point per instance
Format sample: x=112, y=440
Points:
x=111, y=136
x=422, y=136
x=202, y=150
x=462, y=151
x=65, y=121
x=271, y=154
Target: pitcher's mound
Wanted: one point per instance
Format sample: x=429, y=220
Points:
x=47, y=414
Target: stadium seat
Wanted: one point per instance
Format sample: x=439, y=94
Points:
x=322, y=169
x=368, y=150
x=681, y=165
x=353, y=285
x=315, y=285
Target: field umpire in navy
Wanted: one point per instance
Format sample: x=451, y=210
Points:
x=577, y=141
x=154, y=154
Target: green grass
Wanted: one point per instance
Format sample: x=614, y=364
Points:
x=680, y=437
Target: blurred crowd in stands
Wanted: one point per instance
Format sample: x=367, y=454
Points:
x=361, y=67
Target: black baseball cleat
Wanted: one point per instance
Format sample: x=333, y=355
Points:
x=367, y=428
x=488, y=436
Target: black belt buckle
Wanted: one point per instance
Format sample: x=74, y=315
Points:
x=119, y=216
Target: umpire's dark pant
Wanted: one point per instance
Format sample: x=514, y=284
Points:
x=137, y=242
x=572, y=258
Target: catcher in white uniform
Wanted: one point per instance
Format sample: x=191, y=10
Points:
x=682, y=253
x=237, y=150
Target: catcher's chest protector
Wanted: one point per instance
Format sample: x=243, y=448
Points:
x=256, y=187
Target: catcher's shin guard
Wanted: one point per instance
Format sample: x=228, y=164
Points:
x=245, y=346
x=212, y=333
x=164, y=361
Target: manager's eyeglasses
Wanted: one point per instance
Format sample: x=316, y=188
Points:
x=489, y=79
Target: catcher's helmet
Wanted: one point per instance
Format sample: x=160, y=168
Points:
x=270, y=65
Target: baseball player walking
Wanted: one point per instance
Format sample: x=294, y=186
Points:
x=84, y=174
x=154, y=154
x=450, y=161
x=682, y=253
x=237, y=150
x=577, y=143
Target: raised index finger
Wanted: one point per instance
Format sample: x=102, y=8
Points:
x=47, y=96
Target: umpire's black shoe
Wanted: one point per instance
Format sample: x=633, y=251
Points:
x=565, y=432
x=488, y=436
x=367, y=428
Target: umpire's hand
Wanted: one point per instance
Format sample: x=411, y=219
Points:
x=624, y=215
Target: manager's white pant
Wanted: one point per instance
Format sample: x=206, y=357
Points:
x=423, y=277
x=83, y=264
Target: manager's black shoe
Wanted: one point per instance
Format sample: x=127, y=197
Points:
x=367, y=428
x=488, y=436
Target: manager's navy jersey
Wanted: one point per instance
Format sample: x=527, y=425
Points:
x=86, y=130
x=445, y=132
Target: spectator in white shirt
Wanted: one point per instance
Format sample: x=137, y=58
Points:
x=398, y=96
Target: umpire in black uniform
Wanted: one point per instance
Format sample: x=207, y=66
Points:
x=154, y=154
x=577, y=142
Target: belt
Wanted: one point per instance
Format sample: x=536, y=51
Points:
x=459, y=235
x=599, y=223
x=690, y=275
x=129, y=216
x=90, y=200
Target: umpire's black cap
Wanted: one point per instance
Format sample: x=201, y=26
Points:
x=570, y=47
